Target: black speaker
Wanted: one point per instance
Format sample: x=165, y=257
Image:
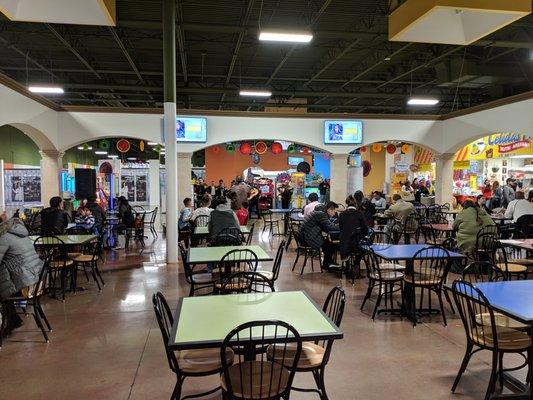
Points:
x=85, y=183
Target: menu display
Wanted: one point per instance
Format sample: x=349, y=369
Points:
x=191, y=129
x=343, y=132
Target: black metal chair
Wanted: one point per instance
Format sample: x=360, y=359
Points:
x=485, y=334
x=272, y=276
x=234, y=261
x=201, y=220
x=89, y=259
x=227, y=237
x=60, y=266
x=187, y=363
x=486, y=240
x=501, y=260
x=268, y=220
x=482, y=271
x=198, y=281
x=151, y=222
x=253, y=375
x=302, y=248
x=250, y=236
x=431, y=267
x=245, y=282
x=136, y=232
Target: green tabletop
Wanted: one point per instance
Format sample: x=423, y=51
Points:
x=204, y=230
x=204, y=321
x=204, y=255
x=66, y=239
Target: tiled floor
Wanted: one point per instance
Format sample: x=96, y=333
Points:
x=108, y=346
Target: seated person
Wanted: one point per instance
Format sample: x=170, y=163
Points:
x=468, y=223
x=204, y=208
x=84, y=219
x=97, y=212
x=365, y=206
x=314, y=225
x=54, y=220
x=242, y=213
x=222, y=217
x=125, y=213
x=398, y=211
x=379, y=201
x=481, y=201
x=518, y=207
x=313, y=202
x=353, y=227
x=185, y=215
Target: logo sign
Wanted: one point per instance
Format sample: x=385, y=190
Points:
x=506, y=148
x=401, y=166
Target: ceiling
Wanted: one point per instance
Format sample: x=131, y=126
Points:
x=349, y=67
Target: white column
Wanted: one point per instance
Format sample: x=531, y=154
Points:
x=154, y=185
x=51, y=166
x=171, y=164
x=184, y=177
x=2, y=195
x=339, y=178
x=444, y=178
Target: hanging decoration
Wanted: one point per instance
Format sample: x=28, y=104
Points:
x=198, y=159
x=291, y=148
x=261, y=147
x=123, y=145
x=104, y=144
x=405, y=148
x=256, y=158
x=141, y=145
x=376, y=147
x=158, y=148
x=414, y=167
x=305, y=150
x=245, y=148
x=85, y=146
x=363, y=149
x=327, y=156
x=391, y=149
x=276, y=148
x=216, y=149
x=230, y=148
x=367, y=167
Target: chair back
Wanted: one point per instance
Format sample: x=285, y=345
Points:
x=267, y=216
x=263, y=377
x=165, y=320
x=186, y=266
x=411, y=224
x=482, y=271
x=245, y=282
x=201, y=220
x=380, y=237
x=226, y=239
x=277, y=261
x=154, y=215
x=48, y=247
x=250, y=235
x=334, y=309
x=38, y=288
x=476, y=314
x=525, y=225
x=486, y=242
x=370, y=261
x=431, y=266
x=76, y=230
x=238, y=261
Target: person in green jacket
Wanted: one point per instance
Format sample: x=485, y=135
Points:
x=468, y=223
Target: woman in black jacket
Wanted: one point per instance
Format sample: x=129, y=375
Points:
x=353, y=227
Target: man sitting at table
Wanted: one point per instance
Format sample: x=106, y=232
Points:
x=222, y=217
x=314, y=225
x=518, y=207
x=399, y=211
x=313, y=202
x=54, y=220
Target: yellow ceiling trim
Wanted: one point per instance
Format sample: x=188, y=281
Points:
x=109, y=8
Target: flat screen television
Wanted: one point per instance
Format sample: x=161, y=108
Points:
x=295, y=160
x=191, y=129
x=343, y=132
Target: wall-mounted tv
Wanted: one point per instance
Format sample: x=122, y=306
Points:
x=191, y=129
x=295, y=160
x=343, y=132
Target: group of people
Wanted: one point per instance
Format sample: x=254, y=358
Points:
x=413, y=191
x=497, y=196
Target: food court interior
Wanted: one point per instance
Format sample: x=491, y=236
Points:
x=255, y=199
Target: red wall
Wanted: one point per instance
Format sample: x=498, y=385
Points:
x=226, y=166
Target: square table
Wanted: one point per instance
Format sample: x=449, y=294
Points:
x=500, y=219
x=68, y=240
x=205, y=321
x=525, y=244
x=205, y=255
x=204, y=230
x=286, y=213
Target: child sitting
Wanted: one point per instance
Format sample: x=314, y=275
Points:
x=85, y=219
x=242, y=213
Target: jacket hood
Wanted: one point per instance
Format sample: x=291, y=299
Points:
x=15, y=227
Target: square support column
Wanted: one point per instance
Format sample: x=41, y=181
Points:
x=2, y=195
x=51, y=166
x=184, y=177
x=155, y=187
x=339, y=178
x=444, y=178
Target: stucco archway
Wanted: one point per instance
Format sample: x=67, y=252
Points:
x=38, y=137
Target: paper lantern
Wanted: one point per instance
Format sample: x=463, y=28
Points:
x=104, y=144
x=367, y=167
x=291, y=148
x=123, y=145
x=85, y=147
x=245, y=148
x=363, y=149
x=216, y=149
x=326, y=156
x=305, y=150
x=261, y=147
x=391, y=149
x=230, y=148
x=276, y=148
x=376, y=147
x=405, y=148
x=141, y=145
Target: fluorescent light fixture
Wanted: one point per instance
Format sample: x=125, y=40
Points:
x=112, y=156
x=46, y=89
x=286, y=37
x=256, y=93
x=422, y=102
x=132, y=158
x=82, y=148
x=152, y=144
x=522, y=156
x=100, y=152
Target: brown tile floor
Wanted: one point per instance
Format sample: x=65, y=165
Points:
x=107, y=345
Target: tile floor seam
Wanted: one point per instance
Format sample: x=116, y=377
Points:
x=140, y=359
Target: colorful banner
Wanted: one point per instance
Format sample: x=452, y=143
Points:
x=422, y=156
x=496, y=145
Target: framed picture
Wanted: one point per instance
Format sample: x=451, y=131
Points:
x=504, y=171
x=504, y=163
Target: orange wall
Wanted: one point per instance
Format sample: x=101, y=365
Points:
x=226, y=166
x=375, y=180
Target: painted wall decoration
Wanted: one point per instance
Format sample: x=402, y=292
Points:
x=496, y=145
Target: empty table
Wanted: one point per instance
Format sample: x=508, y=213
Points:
x=205, y=255
x=204, y=230
x=204, y=321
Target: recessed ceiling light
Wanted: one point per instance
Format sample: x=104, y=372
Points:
x=132, y=158
x=255, y=93
x=46, y=89
x=422, y=102
x=286, y=37
x=152, y=144
x=85, y=148
x=522, y=156
x=387, y=58
x=100, y=152
x=112, y=156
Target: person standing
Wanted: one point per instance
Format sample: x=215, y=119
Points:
x=286, y=196
x=323, y=188
x=241, y=190
x=508, y=192
x=365, y=206
x=220, y=189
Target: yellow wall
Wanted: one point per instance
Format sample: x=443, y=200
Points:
x=375, y=180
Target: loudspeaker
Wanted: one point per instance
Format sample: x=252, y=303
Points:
x=85, y=183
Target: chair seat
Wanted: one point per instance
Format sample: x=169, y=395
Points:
x=83, y=258
x=73, y=255
x=233, y=285
x=523, y=261
x=501, y=321
x=61, y=263
x=310, y=358
x=387, y=276
x=267, y=274
x=391, y=267
x=256, y=380
x=512, y=268
x=422, y=280
x=436, y=242
x=508, y=339
x=203, y=278
x=202, y=360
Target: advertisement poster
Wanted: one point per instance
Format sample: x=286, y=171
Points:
x=22, y=186
x=127, y=188
x=496, y=145
x=141, y=188
x=32, y=188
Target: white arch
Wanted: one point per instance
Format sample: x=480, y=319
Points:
x=39, y=138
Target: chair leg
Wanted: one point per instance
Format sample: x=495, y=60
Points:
x=500, y=369
x=319, y=379
x=93, y=271
x=439, y=295
x=176, y=394
x=296, y=260
x=305, y=262
x=447, y=296
x=378, y=301
x=464, y=364
x=39, y=323
x=368, y=292
x=37, y=306
x=493, y=375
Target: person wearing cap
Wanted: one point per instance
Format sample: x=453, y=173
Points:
x=316, y=223
x=509, y=193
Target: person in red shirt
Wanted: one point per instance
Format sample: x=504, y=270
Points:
x=242, y=213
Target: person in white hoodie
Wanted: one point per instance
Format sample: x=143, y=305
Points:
x=518, y=207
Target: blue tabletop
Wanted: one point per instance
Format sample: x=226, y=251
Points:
x=281, y=210
x=514, y=298
x=397, y=252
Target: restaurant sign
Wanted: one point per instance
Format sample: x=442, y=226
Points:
x=496, y=145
